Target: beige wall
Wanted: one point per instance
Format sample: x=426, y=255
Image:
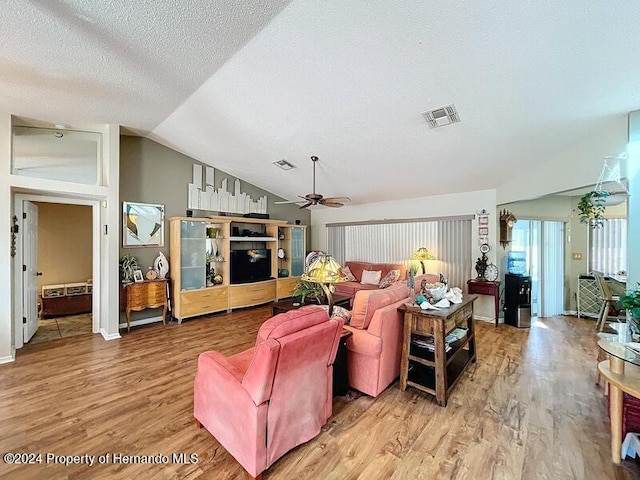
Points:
x=65, y=243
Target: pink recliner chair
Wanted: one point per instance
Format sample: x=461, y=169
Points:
x=262, y=402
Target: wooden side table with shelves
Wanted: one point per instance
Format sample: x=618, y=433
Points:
x=147, y=294
x=436, y=372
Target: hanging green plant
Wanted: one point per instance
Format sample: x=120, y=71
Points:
x=591, y=207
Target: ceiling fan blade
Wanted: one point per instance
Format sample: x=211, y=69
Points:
x=338, y=199
x=330, y=204
x=308, y=204
x=304, y=199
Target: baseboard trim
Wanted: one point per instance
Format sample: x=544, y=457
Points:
x=142, y=321
x=482, y=318
x=109, y=336
x=9, y=358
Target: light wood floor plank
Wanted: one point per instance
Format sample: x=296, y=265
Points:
x=528, y=409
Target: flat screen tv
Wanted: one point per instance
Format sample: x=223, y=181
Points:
x=250, y=265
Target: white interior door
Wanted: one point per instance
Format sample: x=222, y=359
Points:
x=30, y=270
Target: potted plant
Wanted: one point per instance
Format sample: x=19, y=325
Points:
x=631, y=303
x=591, y=207
x=310, y=290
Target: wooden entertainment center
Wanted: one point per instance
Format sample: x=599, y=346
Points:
x=201, y=249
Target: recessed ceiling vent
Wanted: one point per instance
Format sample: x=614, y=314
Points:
x=439, y=117
x=284, y=165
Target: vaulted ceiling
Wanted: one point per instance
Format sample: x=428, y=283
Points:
x=240, y=84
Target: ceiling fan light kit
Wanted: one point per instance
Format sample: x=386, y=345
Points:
x=314, y=198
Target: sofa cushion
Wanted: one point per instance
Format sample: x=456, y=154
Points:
x=366, y=302
x=357, y=268
x=338, y=311
x=290, y=322
x=371, y=277
x=349, y=276
x=389, y=279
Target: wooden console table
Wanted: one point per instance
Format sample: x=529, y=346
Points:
x=147, y=294
x=485, y=287
x=436, y=372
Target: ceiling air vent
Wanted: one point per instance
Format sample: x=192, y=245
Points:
x=439, y=117
x=284, y=165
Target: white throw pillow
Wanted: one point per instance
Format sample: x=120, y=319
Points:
x=371, y=277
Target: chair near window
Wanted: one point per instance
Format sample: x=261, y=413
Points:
x=608, y=301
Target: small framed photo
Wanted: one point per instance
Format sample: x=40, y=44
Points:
x=137, y=276
x=483, y=231
x=483, y=239
x=483, y=220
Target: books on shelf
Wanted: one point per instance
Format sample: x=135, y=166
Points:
x=456, y=334
x=427, y=343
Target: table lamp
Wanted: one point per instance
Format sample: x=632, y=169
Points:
x=421, y=255
x=325, y=271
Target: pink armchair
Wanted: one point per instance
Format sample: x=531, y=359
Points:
x=262, y=402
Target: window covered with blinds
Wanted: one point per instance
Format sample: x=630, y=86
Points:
x=394, y=242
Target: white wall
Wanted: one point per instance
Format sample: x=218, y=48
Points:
x=633, y=174
x=6, y=271
x=106, y=286
x=425, y=207
x=576, y=166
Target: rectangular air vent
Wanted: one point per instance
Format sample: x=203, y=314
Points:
x=439, y=117
x=284, y=165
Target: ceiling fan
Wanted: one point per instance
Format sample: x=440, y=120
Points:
x=317, y=199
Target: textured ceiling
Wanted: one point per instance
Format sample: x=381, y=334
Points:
x=242, y=84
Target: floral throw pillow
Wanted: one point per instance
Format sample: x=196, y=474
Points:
x=389, y=279
x=347, y=272
x=339, y=312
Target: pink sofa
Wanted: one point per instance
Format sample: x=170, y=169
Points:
x=375, y=348
x=262, y=402
x=349, y=289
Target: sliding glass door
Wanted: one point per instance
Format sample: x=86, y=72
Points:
x=543, y=244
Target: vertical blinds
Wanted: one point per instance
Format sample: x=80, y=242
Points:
x=552, y=282
x=448, y=240
x=609, y=246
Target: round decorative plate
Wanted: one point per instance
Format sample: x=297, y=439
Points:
x=151, y=274
x=491, y=273
x=484, y=248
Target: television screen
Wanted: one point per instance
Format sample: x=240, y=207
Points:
x=250, y=265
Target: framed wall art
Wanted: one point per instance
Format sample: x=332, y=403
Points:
x=142, y=225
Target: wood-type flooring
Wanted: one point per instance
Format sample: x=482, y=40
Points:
x=528, y=409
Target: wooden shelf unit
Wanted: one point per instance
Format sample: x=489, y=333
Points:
x=292, y=239
x=437, y=372
x=191, y=296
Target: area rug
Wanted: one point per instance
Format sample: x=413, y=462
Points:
x=62, y=327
